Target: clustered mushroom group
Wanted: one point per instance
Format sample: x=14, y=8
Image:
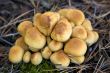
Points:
x=61, y=36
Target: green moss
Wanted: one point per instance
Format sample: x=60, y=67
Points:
x=30, y=68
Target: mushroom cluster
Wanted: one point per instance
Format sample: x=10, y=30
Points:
x=62, y=37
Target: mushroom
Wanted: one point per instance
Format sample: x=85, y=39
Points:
x=79, y=32
x=20, y=42
x=62, y=31
x=92, y=37
x=61, y=58
x=96, y=36
x=36, y=58
x=87, y=24
x=75, y=47
x=46, y=53
x=55, y=45
x=27, y=57
x=77, y=59
x=34, y=39
x=16, y=54
x=63, y=12
x=46, y=21
x=23, y=26
x=74, y=15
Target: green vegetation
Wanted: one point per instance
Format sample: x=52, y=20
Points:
x=44, y=67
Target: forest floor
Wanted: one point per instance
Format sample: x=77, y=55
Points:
x=12, y=12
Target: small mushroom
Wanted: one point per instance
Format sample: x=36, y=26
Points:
x=20, y=42
x=75, y=47
x=61, y=58
x=87, y=24
x=27, y=57
x=79, y=32
x=46, y=21
x=92, y=37
x=35, y=39
x=77, y=60
x=96, y=36
x=62, y=31
x=63, y=12
x=46, y=53
x=74, y=15
x=36, y=58
x=23, y=26
x=55, y=45
x=16, y=54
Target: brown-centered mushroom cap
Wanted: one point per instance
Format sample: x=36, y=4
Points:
x=20, y=42
x=74, y=15
x=75, y=47
x=16, y=54
x=55, y=45
x=27, y=57
x=92, y=37
x=87, y=24
x=60, y=57
x=35, y=39
x=23, y=26
x=62, y=31
x=46, y=53
x=77, y=60
x=36, y=58
x=46, y=21
x=79, y=32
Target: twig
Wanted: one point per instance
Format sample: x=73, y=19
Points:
x=11, y=34
x=99, y=16
x=69, y=3
x=97, y=64
x=33, y=3
x=5, y=41
x=3, y=19
x=103, y=15
x=92, y=53
x=11, y=69
x=101, y=65
x=11, y=22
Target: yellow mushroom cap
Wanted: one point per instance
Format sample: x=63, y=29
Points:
x=62, y=31
x=46, y=53
x=60, y=57
x=76, y=16
x=55, y=45
x=23, y=26
x=75, y=47
x=79, y=32
x=27, y=57
x=20, y=42
x=87, y=24
x=35, y=39
x=96, y=36
x=36, y=58
x=46, y=21
x=16, y=54
x=92, y=37
x=63, y=12
x=77, y=60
